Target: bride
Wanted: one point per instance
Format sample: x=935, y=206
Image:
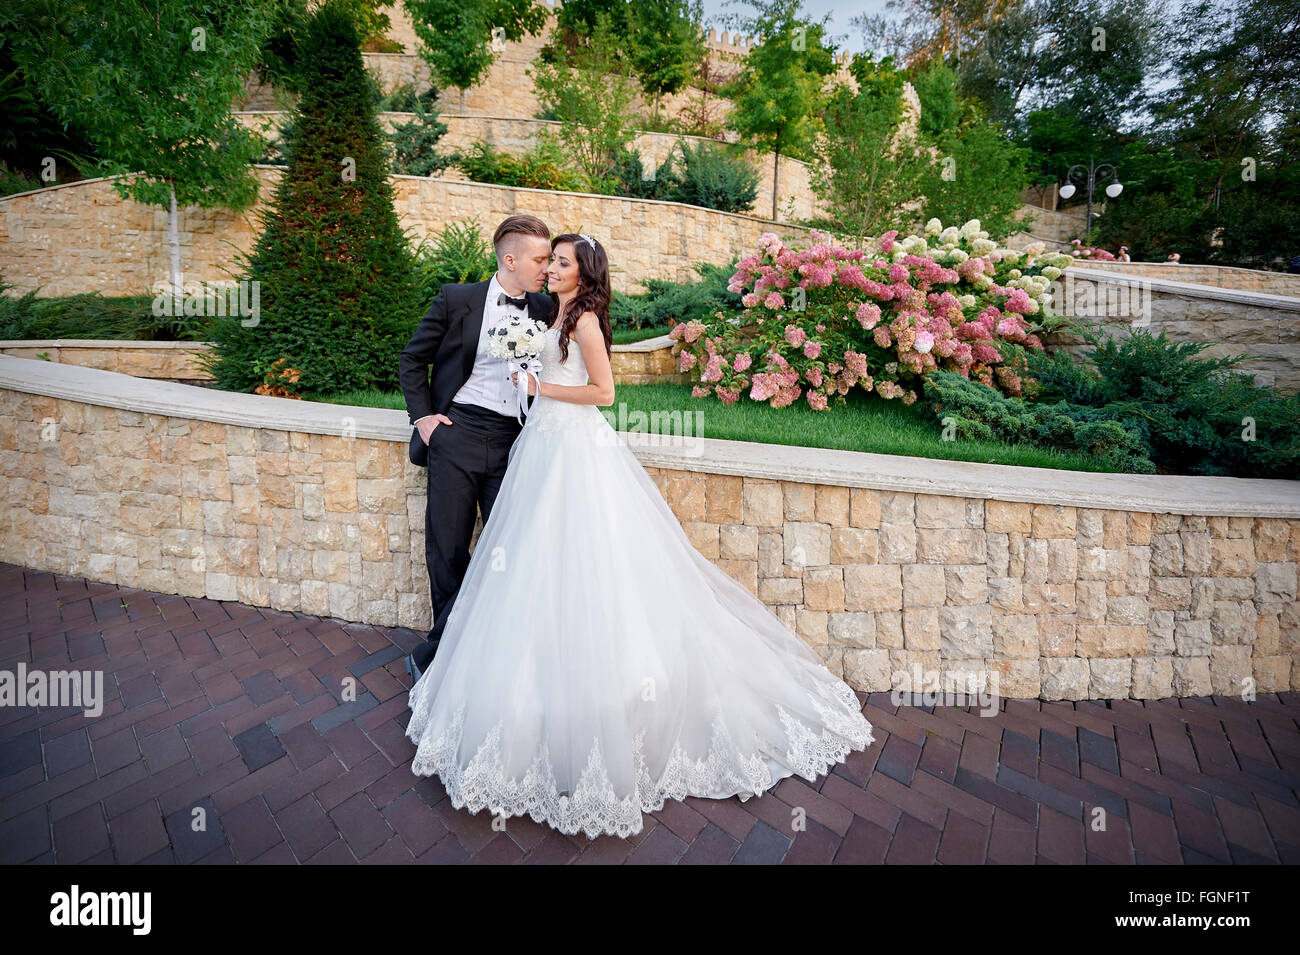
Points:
x=594, y=663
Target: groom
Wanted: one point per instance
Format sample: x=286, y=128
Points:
x=465, y=423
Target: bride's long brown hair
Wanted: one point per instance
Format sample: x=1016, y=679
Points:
x=593, y=291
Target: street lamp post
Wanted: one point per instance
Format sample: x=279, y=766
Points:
x=1095, y=176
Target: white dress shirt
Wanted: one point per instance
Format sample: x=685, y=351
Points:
x=489, y=385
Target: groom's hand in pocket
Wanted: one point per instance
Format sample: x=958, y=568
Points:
x=426, y=425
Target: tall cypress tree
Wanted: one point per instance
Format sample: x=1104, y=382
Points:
x=339, y=294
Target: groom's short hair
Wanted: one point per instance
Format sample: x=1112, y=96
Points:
x=517, y=225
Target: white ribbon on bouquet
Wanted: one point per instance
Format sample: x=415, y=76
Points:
x=523, y=368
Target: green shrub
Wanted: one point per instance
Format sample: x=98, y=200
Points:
x=1194, y=415
x=404, y=99
x=630, y=176
x=976, y=412
x=664, y=302
x=704, y=174
x=543, y=166
x=414, y=144
x=458, y=254
x=93, y=316
x=339, y=290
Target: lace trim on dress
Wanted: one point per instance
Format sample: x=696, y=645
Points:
x=594, y=808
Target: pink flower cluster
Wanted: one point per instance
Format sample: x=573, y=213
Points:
x=861, y=320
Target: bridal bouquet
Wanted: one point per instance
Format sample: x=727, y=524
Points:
x=519, y=341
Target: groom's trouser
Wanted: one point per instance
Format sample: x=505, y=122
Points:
x=467, y=461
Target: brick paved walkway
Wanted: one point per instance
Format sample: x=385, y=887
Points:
x=235, y=709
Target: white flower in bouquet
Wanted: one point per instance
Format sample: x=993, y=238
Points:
x=959, y=255
x=1052, y=273
x=983, y=246
x=519, y=340
x=933, y=227
x=971, y=229
x=916, y=245
x=516, y=338
x=950, y=235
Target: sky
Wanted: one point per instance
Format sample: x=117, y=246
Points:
x=849, y=37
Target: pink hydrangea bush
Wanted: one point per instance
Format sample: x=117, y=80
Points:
x=822, y=320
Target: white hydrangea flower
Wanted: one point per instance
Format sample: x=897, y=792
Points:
x=950, y=235
x=1034, y=249
x=971, y=229
x=1014, y=274
x=967, y=300
x=1052, y=273
x=933, y=227
x=959, y=256
x=983, y=246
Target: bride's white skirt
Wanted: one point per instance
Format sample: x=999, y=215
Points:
x=595, y=664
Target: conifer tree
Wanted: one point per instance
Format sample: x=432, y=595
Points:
x=338, y=289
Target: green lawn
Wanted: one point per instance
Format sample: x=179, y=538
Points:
x=865, y=423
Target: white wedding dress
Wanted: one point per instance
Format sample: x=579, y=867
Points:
x=594, y=663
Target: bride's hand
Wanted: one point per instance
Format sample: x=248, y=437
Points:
x=532, y=382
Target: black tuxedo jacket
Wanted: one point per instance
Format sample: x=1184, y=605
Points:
x=447, y=339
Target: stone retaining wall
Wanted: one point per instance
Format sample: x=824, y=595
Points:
x=82, y=237
x=1048, y=584
x=1264, y=327
x=796, y=200
x=1219, y=276
x=633, y=363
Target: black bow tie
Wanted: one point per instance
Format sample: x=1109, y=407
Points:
x=503, y=298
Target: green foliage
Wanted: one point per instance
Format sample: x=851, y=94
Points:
x=1194, y=416
x=978, y=413
x=31, y=133
x=1143, y=404
x=629, y=176
x=1056, y=140
x=664, y=302
x=404, y=98
x=589, y=90
x=414, y=143
x=459, y=254
x=339, y=293
x=866, y=173
x=700, y=173
x=1158, y=212
x=978, y=175
x=777, y=95
x=91, y=63
x=90, y=316
x=456, y=36
x=544, y=165
x=704, y=174
x=937, y=89
x=664, y=44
